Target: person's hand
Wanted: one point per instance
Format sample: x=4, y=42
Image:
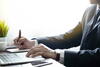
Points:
x=41, y=50
x=24, y=43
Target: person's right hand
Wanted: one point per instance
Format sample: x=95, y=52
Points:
x=24, y=43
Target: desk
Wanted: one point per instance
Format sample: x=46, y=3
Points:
x=54, y=64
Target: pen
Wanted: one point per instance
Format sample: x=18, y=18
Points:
x=19, y=36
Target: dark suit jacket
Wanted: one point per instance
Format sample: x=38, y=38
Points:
x=89, y=54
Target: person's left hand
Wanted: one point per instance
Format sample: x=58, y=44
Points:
x=42, y=50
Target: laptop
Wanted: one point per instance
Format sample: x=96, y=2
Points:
x=17, y=58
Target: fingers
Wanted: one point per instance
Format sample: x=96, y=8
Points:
x=34, y=50
x=15, y=41
x=20, y=41
x=36, y=54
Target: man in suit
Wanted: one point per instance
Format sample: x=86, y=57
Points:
x=86, y=34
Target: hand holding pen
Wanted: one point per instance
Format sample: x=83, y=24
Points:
x=21, y=43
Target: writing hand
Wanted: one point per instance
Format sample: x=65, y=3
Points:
x=23, y=43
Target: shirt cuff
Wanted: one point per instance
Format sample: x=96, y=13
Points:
x=36, y=42
x=61, y=52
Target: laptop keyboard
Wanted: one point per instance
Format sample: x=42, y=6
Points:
x=9, y=58
x=12, y=59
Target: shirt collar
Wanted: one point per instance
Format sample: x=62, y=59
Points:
x=98, y=7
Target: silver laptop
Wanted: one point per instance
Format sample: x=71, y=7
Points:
x=17, y=58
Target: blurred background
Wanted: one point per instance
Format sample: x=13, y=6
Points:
x=39, y=18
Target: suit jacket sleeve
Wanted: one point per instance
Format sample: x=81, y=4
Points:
x=64, y=41
x=83, y=58
x=67, y=40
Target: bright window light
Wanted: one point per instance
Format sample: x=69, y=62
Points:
x=39, y=18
